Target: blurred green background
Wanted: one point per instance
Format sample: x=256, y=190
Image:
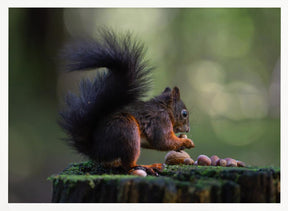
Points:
x=226, y=63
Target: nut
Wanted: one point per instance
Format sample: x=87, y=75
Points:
x=221, y=162
x=214, y=159
x=182, y=136
x=231, y=162
x=188, y=161
x=240, y=163
x=203, y=160
x=174, y=158
x=139, y=172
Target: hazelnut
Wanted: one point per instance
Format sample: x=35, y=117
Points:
x=231, y=162
x=188, y=161
x=182, y=136
x=203, y=160
x=214, y=159
x=174, y=158
x=139, y=172
x=240, y=163
x=221, y=162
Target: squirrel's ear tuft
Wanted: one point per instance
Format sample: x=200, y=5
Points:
x=176, y=93
x=167, y=90
x=166, y=96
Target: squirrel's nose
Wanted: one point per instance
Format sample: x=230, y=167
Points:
x=188, y=129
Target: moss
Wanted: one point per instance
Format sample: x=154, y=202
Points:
x=90, y=170
x=89, y=177
x=177, y=183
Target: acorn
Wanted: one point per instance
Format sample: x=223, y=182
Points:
x=214, y=159
x=203, y=160
x=176, y=157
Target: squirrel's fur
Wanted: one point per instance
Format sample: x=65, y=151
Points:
x=108, y=121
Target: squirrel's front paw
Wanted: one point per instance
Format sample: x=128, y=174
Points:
x=188, y=143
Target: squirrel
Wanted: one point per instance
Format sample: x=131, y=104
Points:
x=108, y=121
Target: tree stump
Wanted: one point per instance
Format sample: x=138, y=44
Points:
x=89, y=182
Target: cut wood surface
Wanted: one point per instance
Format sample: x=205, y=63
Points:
x=89, y=182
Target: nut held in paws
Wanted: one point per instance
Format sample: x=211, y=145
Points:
x=182, y=136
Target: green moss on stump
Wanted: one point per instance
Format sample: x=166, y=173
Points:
x=89, y=182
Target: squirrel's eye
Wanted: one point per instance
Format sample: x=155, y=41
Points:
x=184, y=113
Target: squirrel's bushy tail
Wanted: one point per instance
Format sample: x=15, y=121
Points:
x=124, y=83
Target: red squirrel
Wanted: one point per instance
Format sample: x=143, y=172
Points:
x=108, y=121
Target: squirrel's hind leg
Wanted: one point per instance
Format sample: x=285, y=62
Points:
x=125, y=130
x=127, y=135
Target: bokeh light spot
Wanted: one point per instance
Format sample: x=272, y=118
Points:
x=237, y=133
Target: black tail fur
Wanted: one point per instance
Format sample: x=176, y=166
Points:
x=124, y=83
